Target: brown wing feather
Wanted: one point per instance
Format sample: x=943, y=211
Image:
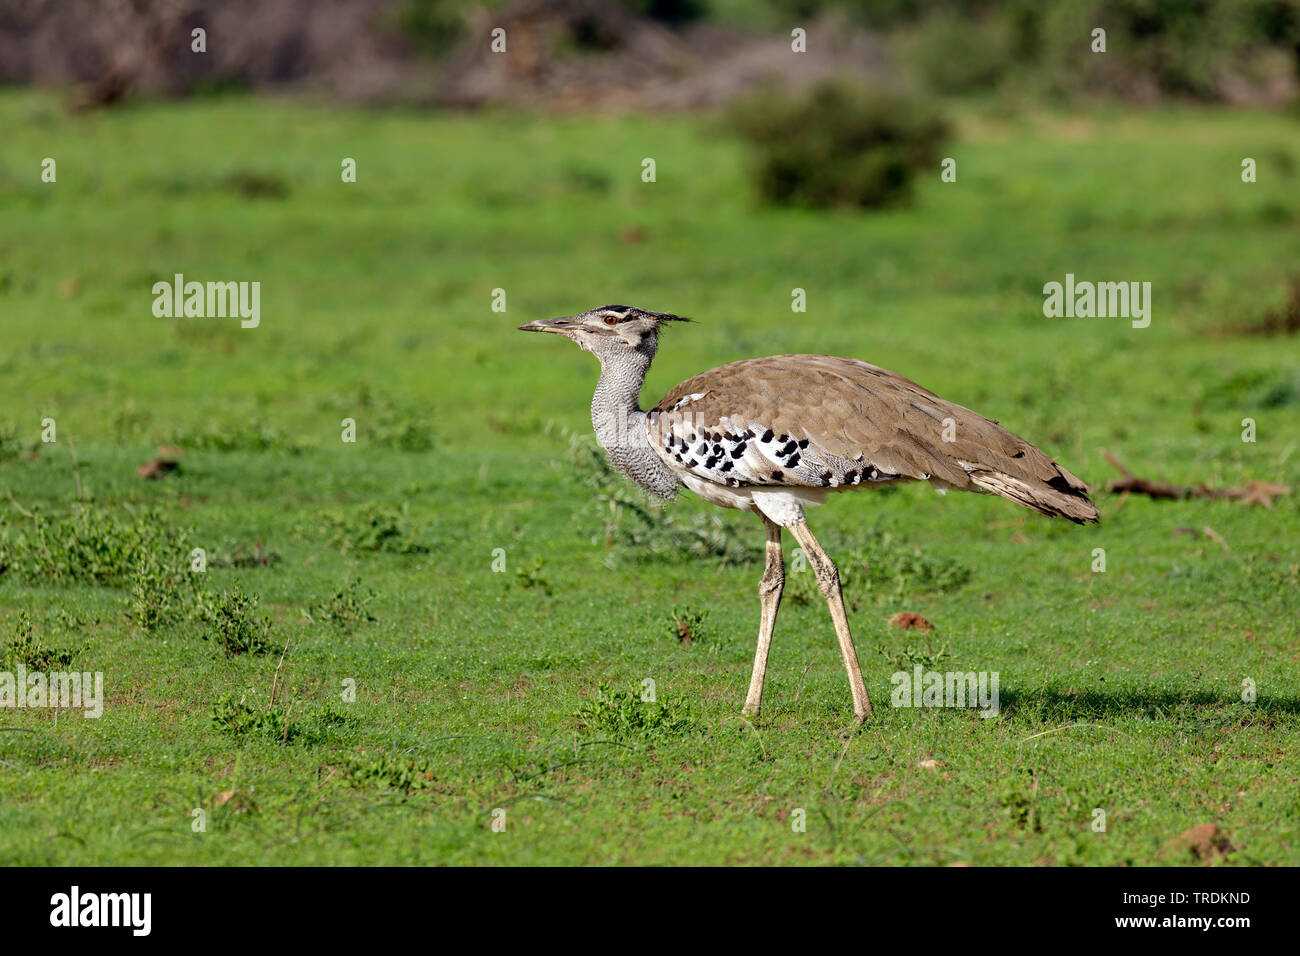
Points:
x=849, y=410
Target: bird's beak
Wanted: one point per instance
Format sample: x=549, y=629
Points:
x=548, y=325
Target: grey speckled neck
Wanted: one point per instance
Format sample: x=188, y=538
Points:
x=620, y=424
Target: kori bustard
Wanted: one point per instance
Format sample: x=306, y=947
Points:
x=774, y=435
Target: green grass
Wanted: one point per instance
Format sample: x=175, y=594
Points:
x=476, y=690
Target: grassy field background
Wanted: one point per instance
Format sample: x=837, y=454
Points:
x=479, y=691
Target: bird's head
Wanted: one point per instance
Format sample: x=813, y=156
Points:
x=609, y=331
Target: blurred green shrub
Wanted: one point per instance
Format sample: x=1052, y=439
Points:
x=954, y=55
x=1176, y=47
x=670, y=12
x=1199, y=49
x=837, y=144
x=431, y=26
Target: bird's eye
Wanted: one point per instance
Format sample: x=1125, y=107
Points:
x=611, y=320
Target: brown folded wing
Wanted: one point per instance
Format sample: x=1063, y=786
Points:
x=849, y=423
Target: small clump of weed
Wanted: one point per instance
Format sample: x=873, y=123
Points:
x=624, y=714
x=881, y=570
x=401, y=427
x=347, y=607
x=231, y=620
x=74, y=622
x=32, y=652
x=688, y=624
x=387, y=772
x=530, y=576
x=801, y=588
x=1281, y=321
x=377, y=527
x=236, y=717
x=161, y=594
x=11, y=446
x=322, y=724
x=383, y=421
x=886, y=568
x=1019, y=800
x=906, y=658
x=237, y=554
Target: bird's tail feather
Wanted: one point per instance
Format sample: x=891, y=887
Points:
x=1059, y=497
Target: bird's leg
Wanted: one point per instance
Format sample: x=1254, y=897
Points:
x=769, y=596
x=828, y=580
